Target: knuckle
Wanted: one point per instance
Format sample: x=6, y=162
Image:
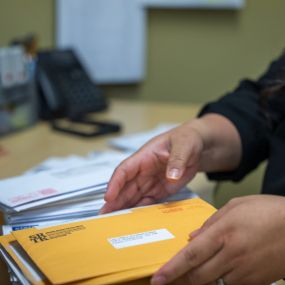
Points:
x=176, y=157
x=169, y=274
x=238, y=245
x=196, y=149
x=122, y=170
x=238, y=259
x=190, y=256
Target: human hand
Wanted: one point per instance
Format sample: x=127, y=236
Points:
x=243, y=243
x=157, y=170
x=166, y=163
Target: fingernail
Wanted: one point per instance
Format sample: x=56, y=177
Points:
x=174, y=173
x=158, y=280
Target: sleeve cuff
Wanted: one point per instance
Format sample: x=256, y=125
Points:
x=254, y=142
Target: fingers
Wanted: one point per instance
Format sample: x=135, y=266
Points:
x=184, y=281
x=126, y=171
x=213, y=219
x=191, y=256
x=219, y=214
x=143, y=161
x=133, y=191
x=127, y=199
x=146, y=201
x=209, y=271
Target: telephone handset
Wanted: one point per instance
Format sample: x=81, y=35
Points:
x=68, y=92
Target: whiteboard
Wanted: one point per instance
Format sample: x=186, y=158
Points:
x=110, y=35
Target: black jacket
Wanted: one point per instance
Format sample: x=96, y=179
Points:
x=261, y=140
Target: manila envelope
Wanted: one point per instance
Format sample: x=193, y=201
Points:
x=34, y=276
x=142, y=238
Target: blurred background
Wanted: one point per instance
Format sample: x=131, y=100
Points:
x=192, y=55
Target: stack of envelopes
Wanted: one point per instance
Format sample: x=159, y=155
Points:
x=68, y=192
x=109, y=249
x=56, y=195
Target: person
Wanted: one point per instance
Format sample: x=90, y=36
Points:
x=242, y=243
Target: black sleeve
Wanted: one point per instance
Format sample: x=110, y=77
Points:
x=242, y=108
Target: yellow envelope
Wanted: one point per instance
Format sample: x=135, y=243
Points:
x=7, y=244
x=95, y=248
x=37, y=278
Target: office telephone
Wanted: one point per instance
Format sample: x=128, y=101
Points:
x=66, y=91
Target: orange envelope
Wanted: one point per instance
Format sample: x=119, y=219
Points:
x=95, y=248
x=8, y=244
x=34, y=276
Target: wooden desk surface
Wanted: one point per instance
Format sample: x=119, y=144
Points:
x=28, y=148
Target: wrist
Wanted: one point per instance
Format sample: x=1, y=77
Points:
x=221, y=143
x=202, y=128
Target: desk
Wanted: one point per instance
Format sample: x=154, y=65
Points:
x=30, y=147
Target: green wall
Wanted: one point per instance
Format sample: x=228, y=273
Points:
x=193, y=55
x=19, y=18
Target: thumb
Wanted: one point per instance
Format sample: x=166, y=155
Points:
x=178, y=160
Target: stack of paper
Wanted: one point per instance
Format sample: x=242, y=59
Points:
x=104, y=250
x=70, y=190
x=61, y=190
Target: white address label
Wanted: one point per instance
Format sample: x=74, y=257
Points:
x=140, y=238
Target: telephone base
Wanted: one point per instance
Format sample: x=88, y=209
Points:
x=84, y=127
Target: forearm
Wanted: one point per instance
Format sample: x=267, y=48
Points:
x=222, y=144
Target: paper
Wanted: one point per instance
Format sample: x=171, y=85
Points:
x=8, y=229
x=133, y=142
x=57, y=162
x=58, y=251
x=58, y=183
x=87, y=208
x=140, y=238
x=107, y=35
x=69, y=211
